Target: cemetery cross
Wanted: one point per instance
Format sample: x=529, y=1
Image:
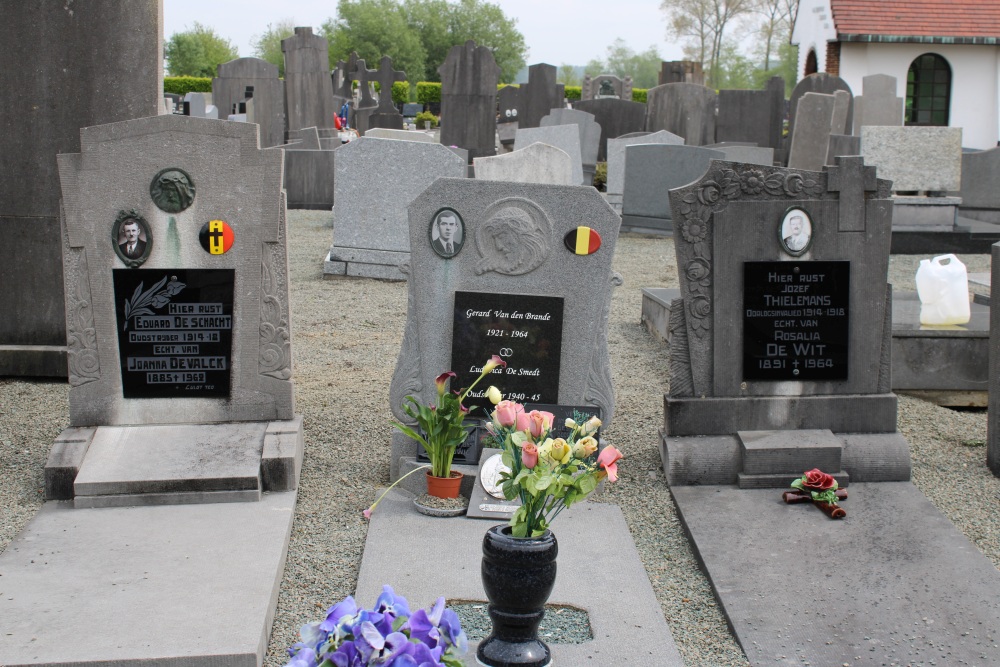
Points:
x=852, y=179
x=386, y=76
x=362, y=75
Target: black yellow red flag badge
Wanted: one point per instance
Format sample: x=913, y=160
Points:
x=216, y=237
x=583, y=241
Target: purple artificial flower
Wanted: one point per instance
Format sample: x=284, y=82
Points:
x=422, y=629
x=417, y=655
x=312, y=635
x=451, y=627
x=306, y=657
x=390, y=603
x=346, y=655
x=348, y=607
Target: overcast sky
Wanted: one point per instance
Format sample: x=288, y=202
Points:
x=556, y=31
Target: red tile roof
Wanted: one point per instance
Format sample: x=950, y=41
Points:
x=927, y=18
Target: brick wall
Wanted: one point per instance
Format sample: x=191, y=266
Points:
x=833, y=58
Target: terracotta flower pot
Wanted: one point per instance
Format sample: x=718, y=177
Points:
x=518, y=576
x=444, y=487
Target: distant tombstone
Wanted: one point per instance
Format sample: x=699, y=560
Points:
x=681, y=71
x=404, y=135
x=748, y=154
x=842, y=145
x=508, y=103
x=410, y=110
x=684, y=109
x=616, y=158
x=586, y=88
x=563, y=137
x=878, y=103
x=756, y=116
x=811, y=138
x=590, y=133
x=824, y=84
x=615, y=117
x=535, y=163
x=469, y=78
x=229, y=88
x=514, y=273
x=924, y=159
x=65, y=67
x=376, y=179
x=627, y=88
x=539, y=96
x=780, y=349
x=653, y=169
x=366, y=105
x=993, y=413
x=841, y=106
x=386, y=115
x=979, y=190
x=308, y=138
x=606, y=86
x=308, y=87
x=346, y=69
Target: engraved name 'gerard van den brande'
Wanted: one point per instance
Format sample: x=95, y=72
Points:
x=526, y=331
x=796, y=320
x=175, y=331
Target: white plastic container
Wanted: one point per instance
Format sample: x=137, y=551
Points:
x=943, y=287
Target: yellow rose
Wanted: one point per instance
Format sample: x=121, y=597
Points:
x=494, y=395
x=590, y=426
x=584, y=447
x=560, y=451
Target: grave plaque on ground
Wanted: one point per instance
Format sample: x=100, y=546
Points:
x=531, y=283
x=685, y=109
x=230, y=85
x=469, y=78
x=783, y=328
x=308, y=87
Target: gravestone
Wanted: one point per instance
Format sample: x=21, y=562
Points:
x=48, y=94
x=404, y=135
x=563, y=137
x=606, y=86
x=811, y=139
x=199, y=105
x=993, y=413
x=780, y=341
x=308, y=87
x=539, y=96
x=386, y=114
x=915, y=158
x=684, y=109
x=535, y=163
x=616, y=160
x=681, y=71
x=229, y=87
x=376, y=179
x=979, y=193
x=516, y=289
x=508, y=102
x=616, y=118
x=842, y=145
x=841, y=106
x=653, y=169
x=343, y=80
x=878, y=103
x=748, y=153
x=308, y=172
x=590, y=136
x=366, y=104
x=469, y=78
x=824, y=84
x=755, y=116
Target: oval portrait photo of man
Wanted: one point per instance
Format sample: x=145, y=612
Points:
x=447, y=233
x=795, y=232
x=131, y=238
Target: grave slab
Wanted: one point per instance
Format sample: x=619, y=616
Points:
x=207, y=575
x=626, y=620
x=892, y=583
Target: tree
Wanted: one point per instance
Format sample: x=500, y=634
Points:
x=622, y=61
x=778, y=16
x=703, y=23
x=735, y=70
x=267, y=46
x=375, y=28
x=568, y=76
x=197, y=52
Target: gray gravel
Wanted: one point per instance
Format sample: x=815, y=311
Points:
x=346, y=339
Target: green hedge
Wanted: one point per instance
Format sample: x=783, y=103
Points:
x=573, y=93
x=428, y=91
x=400, y=91
x=639, y=95
x=181, y=85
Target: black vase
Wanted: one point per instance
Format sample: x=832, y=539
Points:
x=518, y=576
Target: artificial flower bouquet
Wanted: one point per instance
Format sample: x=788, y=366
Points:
x=443, y=424
x=821, y=489
x=546, y=474
x=387, y=635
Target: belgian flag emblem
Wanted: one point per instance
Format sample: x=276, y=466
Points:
x=583, y=241
x=216, y=237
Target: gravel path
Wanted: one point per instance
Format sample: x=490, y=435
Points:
x=346, y=338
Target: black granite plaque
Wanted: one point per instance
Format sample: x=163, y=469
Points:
x=796, y=320
x=526, y=331
x=175, y=331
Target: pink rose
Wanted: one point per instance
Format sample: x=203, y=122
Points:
x=539, y=422
x=523, y=423
x=529, y=455
x=608, y=459
x=506, y=413
x=817, y=480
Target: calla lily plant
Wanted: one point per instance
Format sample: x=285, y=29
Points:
x=546, y=474
x=443, y=424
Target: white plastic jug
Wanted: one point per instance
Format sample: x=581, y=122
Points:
x=943, y=287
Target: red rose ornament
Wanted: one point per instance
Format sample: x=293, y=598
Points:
x=817, y=480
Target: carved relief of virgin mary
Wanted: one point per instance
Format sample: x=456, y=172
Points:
x=514, y=240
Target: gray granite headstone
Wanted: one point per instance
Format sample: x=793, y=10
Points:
x=811, y=137
x=308, y=87
x=200, y=106
x=993, y=412
x=508, y=103
x=841, y=106
x=685, y=109
x=563, y=137
x=229, y=88
x=653, y=169
x=535, y=163
x=514, y=245
x=376, y=179
x=62, y=70
x=590, y=131
x=747, y=154
x=979, y=179
x=681, y=71
x=539, y=96
x=616, y=118
x=773, y=342
x=823, y=83
x=404, y=135
x=616, y=155
x=752, y=115
x=841, y=145
x=878, y=104
x=469, y=78
x=915, y=158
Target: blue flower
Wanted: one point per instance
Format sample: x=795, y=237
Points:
x=306, y=657
x=390, y=603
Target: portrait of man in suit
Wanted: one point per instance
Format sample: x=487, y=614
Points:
x=132, y=237
x=796, y=232
x=447, y=233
